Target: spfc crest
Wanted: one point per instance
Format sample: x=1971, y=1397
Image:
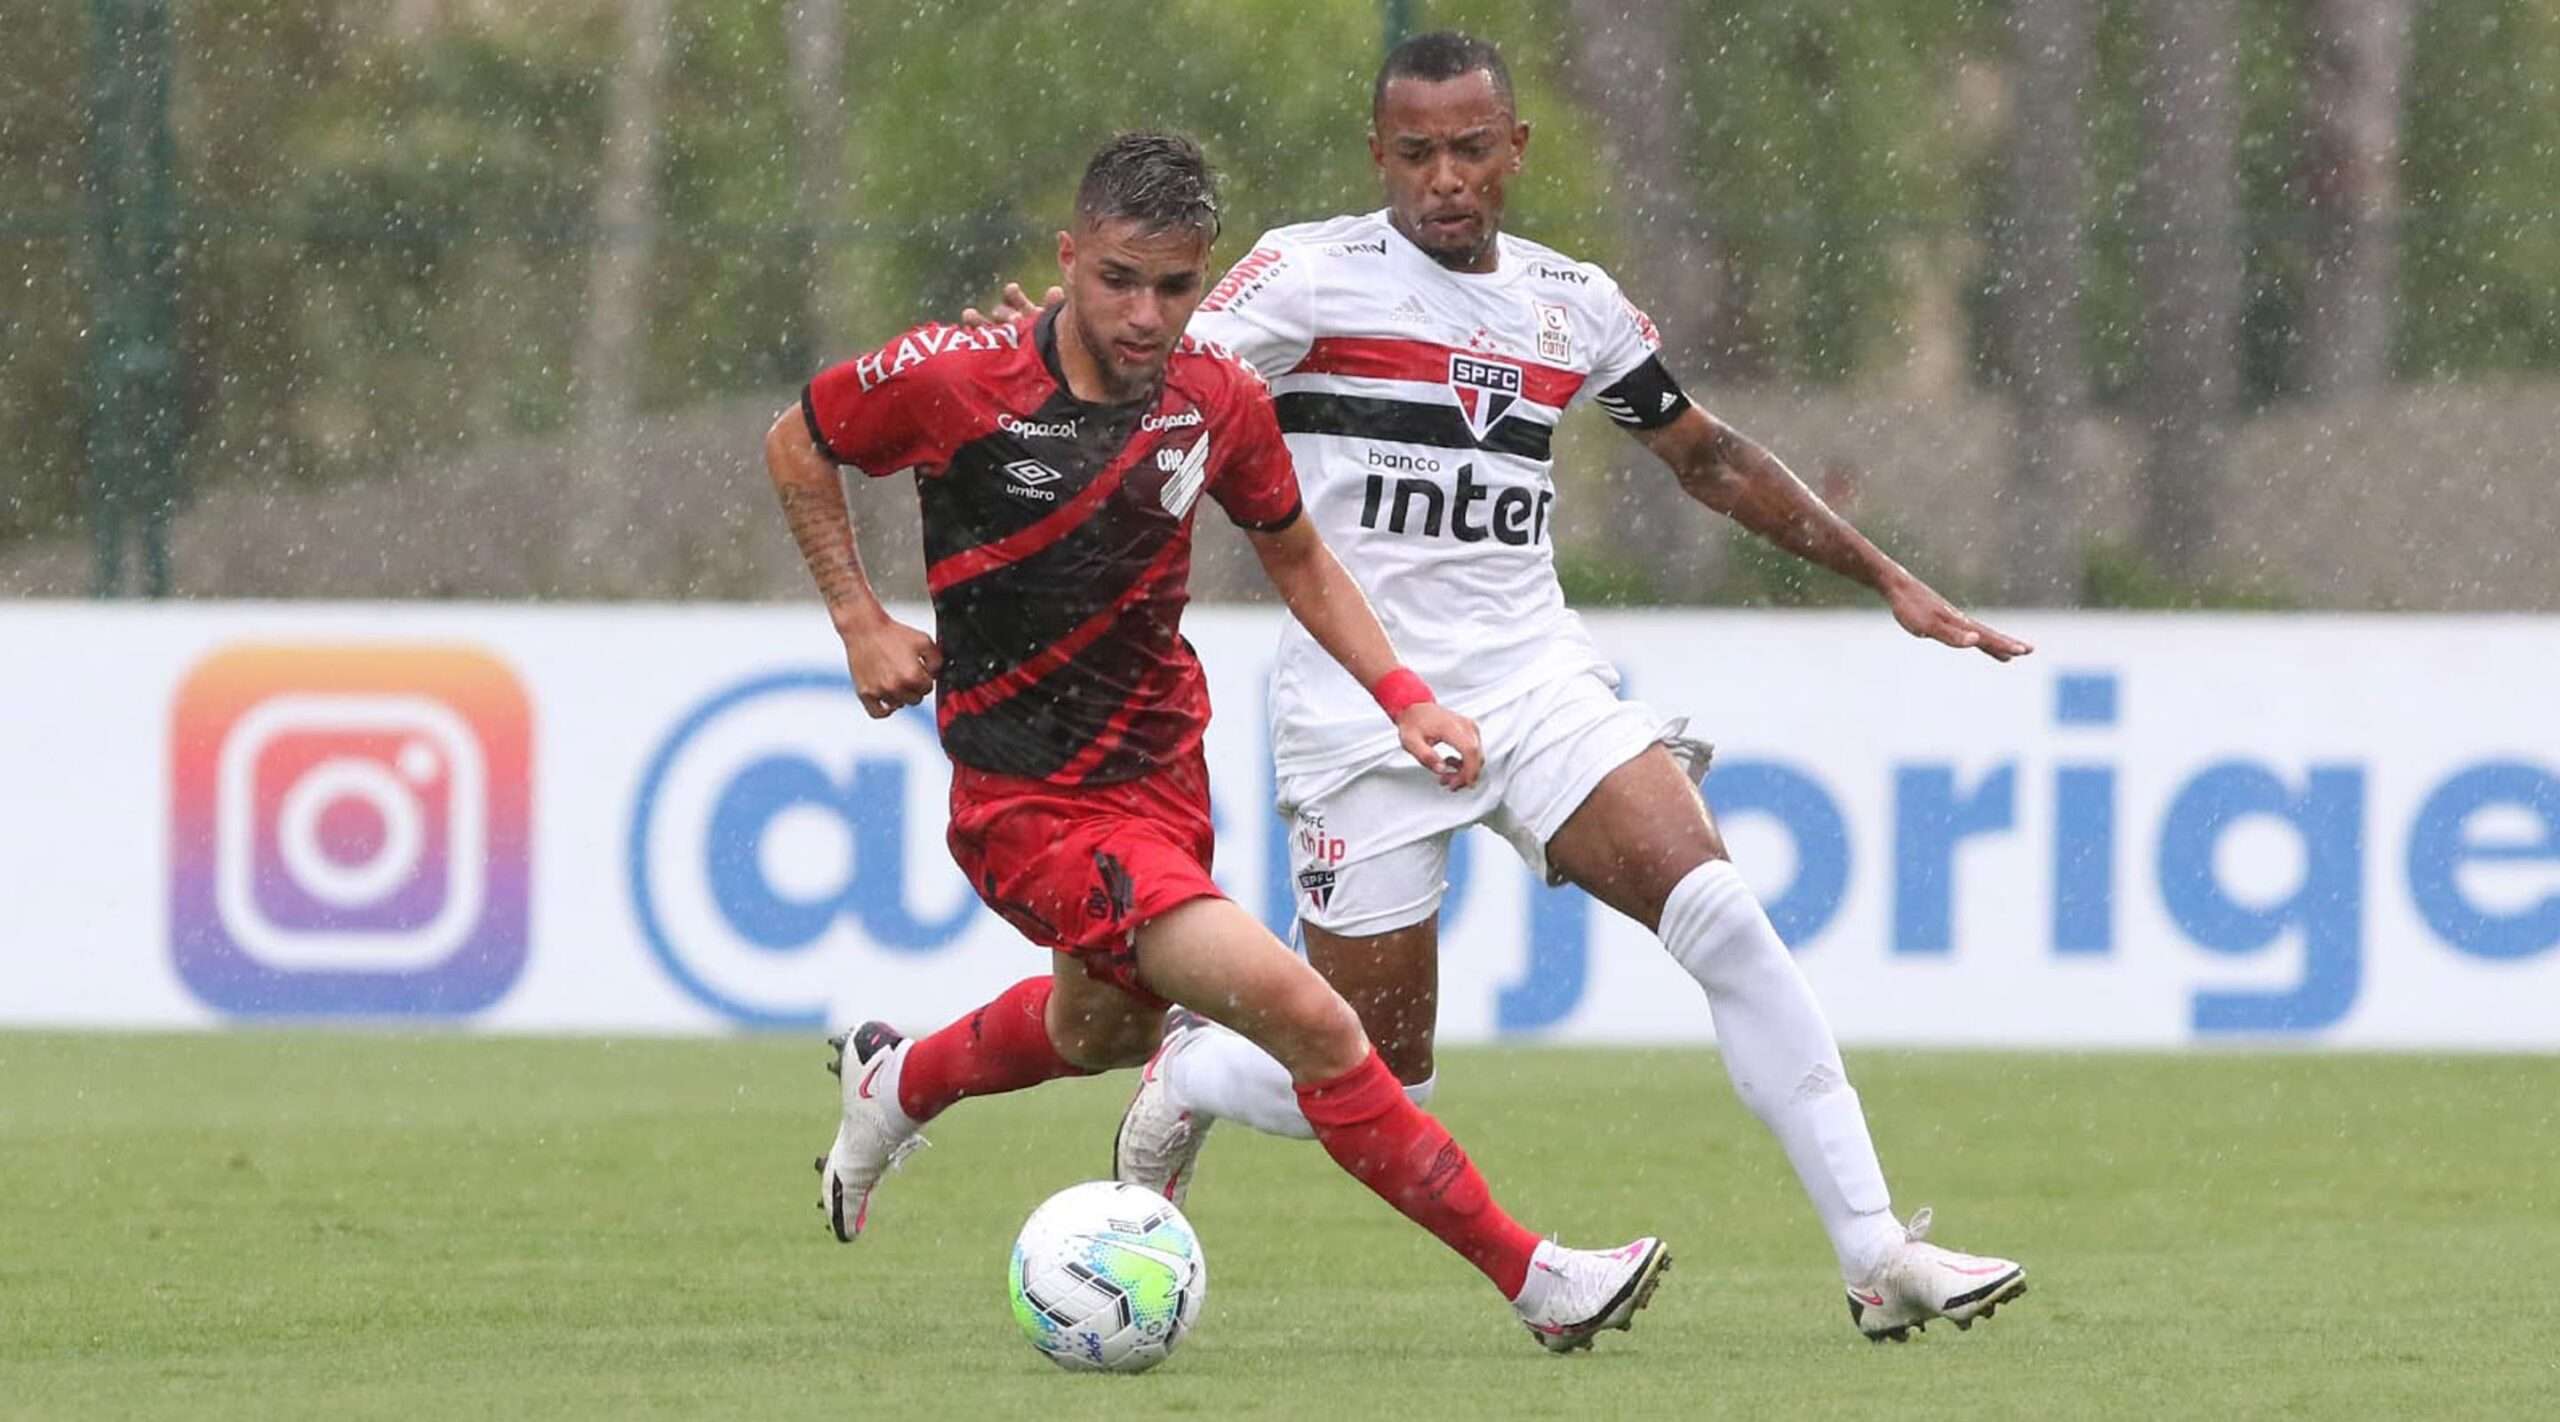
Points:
x=1487, y=389
x=1318, y=884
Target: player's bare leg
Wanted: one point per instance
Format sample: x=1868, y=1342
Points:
x=1203, y=1074
x=1392, y=980
x=1216, y=959
x=1644, y=843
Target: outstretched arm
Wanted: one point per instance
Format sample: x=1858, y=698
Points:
x=1324, y=599
x=1724, y=469
x=893, y=665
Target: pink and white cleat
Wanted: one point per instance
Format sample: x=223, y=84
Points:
x=1573, y=1294
x=874, y=1135
x=1919, y=1281
x=1158, y=1145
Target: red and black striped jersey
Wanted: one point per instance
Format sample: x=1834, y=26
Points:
x=1057, y=533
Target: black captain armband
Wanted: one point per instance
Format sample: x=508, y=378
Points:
x=1646, y=399
x=1297, y=507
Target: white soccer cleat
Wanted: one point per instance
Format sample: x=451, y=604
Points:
x=874, y=1134
x=1158, y=1144
x=1572, y=1294
x=1919, y=1281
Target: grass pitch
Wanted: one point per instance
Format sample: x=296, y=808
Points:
x=271, y=1225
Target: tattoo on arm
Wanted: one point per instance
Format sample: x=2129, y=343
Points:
x=822, y=526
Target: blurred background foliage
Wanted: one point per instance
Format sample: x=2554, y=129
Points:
x=391, y=223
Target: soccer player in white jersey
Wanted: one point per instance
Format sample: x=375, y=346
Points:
x=1420, y=358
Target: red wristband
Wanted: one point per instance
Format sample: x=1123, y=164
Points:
x=1399, y=689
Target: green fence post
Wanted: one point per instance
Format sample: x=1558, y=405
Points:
x=133, y=297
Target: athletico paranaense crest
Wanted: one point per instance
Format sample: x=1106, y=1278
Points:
x=1486, y=389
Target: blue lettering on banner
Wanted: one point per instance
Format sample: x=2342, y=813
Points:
x=2482, y=864
x=2440, y=844
x=1930, y=820
x=867, y=799
x=1559, y=961
x=872, y=895
x=2084, y=823
x=1812, y=820
x=1937, y=808
x=2327, y=817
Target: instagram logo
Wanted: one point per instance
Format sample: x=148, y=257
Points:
x=350, y=830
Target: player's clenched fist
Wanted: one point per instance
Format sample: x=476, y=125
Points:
x=893, y=665
x=1431, y=732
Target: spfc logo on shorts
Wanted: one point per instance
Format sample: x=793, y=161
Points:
x=1317, y=884
x=1487, y=389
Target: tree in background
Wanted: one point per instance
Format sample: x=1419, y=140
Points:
x=815, y=32
x=388, y=203
x=2187, y=264
x=2039, y=252
x=611, y=358
x=1628, y=68
x=2355, y=56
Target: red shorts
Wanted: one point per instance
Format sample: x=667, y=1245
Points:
x=1079, y=868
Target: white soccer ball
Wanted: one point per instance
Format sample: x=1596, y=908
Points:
x=1107, y=1278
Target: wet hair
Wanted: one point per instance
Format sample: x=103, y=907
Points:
x=1160, y=181
x=1438, y=56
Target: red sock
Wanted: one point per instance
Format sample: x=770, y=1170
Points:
x=1003, y=1046
x=1370, y=1128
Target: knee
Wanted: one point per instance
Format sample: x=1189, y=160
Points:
x=1324, y=1035
x=1106, y=1044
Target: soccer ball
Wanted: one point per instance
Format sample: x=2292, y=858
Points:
x=1107, y=1278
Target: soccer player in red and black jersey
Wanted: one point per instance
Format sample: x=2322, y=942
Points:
x=1059, y=461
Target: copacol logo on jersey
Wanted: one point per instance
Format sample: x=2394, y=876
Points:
x=349, y=830
x=1487, y=389
x=770, y=841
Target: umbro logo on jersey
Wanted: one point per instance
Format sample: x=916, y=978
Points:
x=1031, y=479
x=1486, y=389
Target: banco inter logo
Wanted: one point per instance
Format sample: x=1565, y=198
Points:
x=777, y=832
x=350, y=830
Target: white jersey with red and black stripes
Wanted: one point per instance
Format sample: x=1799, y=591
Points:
x=1420, y=407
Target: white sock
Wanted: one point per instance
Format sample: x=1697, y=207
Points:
x=1221, y=1075
x=1781, y=1056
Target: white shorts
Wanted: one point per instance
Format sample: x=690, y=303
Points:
x=1369, y=844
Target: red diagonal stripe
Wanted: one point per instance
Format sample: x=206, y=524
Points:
x=994, y=691
x=976, y=562
x=1149, y=695
x=1387, y=358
